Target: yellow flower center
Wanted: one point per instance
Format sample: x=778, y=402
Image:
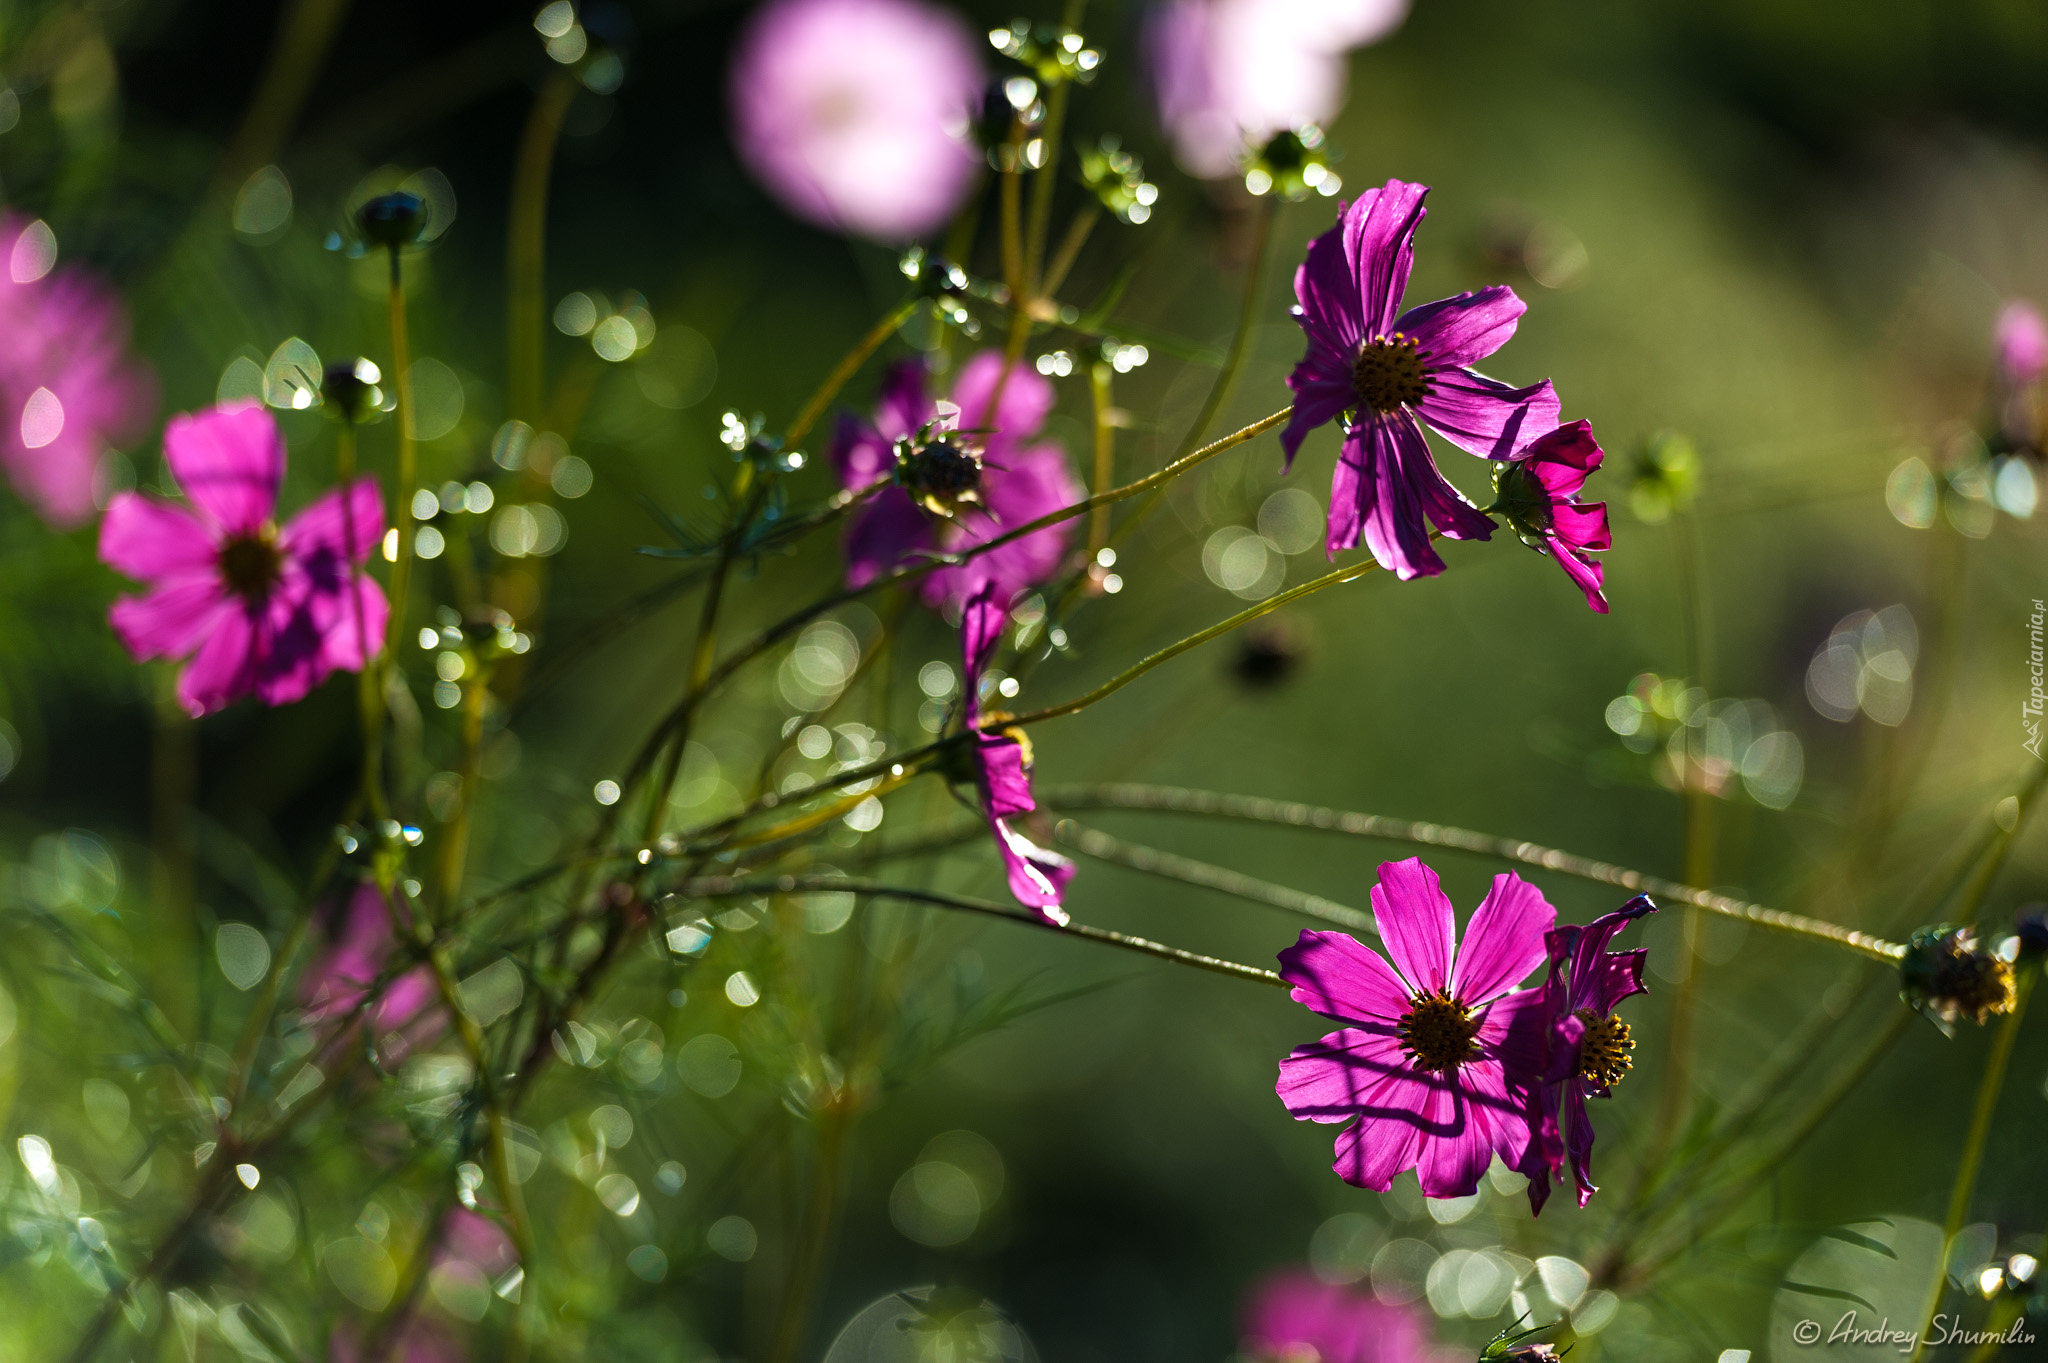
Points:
x=1438, y=1032
x=1388, y=373
x=1603, y=1053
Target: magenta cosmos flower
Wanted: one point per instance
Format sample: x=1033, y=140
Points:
x=857, y=114
x=258, y=608
x=1585, y=1047
x=1294, y=1317
x=1388, y=375
x=2021, y=339
x=1229, y=74
x=1425, y=1071
x=975, y=458
x=361, y=947
x=1002, y=767
x=68, y=388
x=1538, y=491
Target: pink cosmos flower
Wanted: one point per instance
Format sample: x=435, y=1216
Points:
x=68, y=388
x=1002, y=768
x=258, y=608
x=419, y=1341
x=1386, y=374
x=359, y=951
x=1538, y=491
x=1585, y=1046
x=1294, y=1317
x=980, y=446
x=1429, y=1071
x=2022, y=342
x=857, y=114
x=1229, y=74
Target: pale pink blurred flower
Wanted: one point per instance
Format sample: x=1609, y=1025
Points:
x=2022, y=340
x=420, y=1341
x=858, y=114
x=69, y=390
x=360, y=947
x=1232, y=73
x=1293, y=1317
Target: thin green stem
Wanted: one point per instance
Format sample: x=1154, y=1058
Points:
x=1062, y=263
x=526, y=227
x=721, y=888
x=1188, y=871
x=1255, y=809
x=849, y=365
x=1100, y=375
x=408, y=462
x=1965, y=1185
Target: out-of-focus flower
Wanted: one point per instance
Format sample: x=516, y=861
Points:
x=1585, y=1045
x=2031, y=930
x=68, y=387
x=2022, y=342
x=257, y=607
x=1018, y=481
x=419, y=1341
x=1538, y=492
x=1268, y=655
x=1229, y=74
x=857, y=114
x=1386, y=376
x=1002, y=765
x=474, y=1239
x=1430, y=1071
x=1294, y=1317
x=1947, y=976
x=359, y=952
x=1666, y=478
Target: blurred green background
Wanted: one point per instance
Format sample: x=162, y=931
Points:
x=1781, y=229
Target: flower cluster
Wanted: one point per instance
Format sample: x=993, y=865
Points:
x=1445, y=1061
x=1389, y=374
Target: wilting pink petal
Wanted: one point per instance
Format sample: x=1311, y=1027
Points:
x=1037, y=876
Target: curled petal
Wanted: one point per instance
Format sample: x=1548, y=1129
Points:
x=1379, y=245
x=1484, y=416
x=1038, y=877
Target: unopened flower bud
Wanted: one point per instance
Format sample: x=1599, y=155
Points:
x=2031, y=927
x=1947, y=976
x=395, y=219
x=1268, y=655
x=349, y=388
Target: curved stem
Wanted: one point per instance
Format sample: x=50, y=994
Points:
x=848, y=366
x=1256, y=809
x=720, y=888
x=1188, y=871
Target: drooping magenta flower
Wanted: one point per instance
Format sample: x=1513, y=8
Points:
x=1294, y=1317
x=258, y=608
x=1428, y=1072
x=982, y=444
x=857, y=114
x=1538, y=491
x=1229, y=74
x=2022, y=343
x=359, y=952
x=1002, y=766
x=1387, y=376
x=1585, y=1046
x=69, y=390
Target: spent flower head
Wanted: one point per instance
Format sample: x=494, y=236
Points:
x=1948, y=976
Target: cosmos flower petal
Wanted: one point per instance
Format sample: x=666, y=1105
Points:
x=1004, y=780
x=1615, y=976
x=351, y=624
x=1373, y=493
x=1417, y=924
x=1316, y=400
x=1375, y=1148
x=1581, y=526
x=224, y=668
x=230, y=462
x=1332, y=1079
x=1008, y=402
x=1504, y=942
x=903, y=405
x=291, y=655
x=1379, y=246
x=1340, y=977
x=1484, y=416
x=1590, y=942
x=1326, y=288
x=1577, y=1129
x=1586, y=575
x=982, y=618
x=1462, y=1144
x=1561, y=460
x=148, y=539
x=170, y=621
x=886, y=533
x=1464, y=329
x=341, y=530
x=1027, y=484
x=1038, y=877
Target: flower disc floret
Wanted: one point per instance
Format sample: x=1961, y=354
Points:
x=1603, y=1050
x=1438, y=1033
x=1948, y=976
x=1389, y=374
x=251, y=564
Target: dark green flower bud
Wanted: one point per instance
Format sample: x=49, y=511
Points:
x=395, y=219
x=349, y=388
